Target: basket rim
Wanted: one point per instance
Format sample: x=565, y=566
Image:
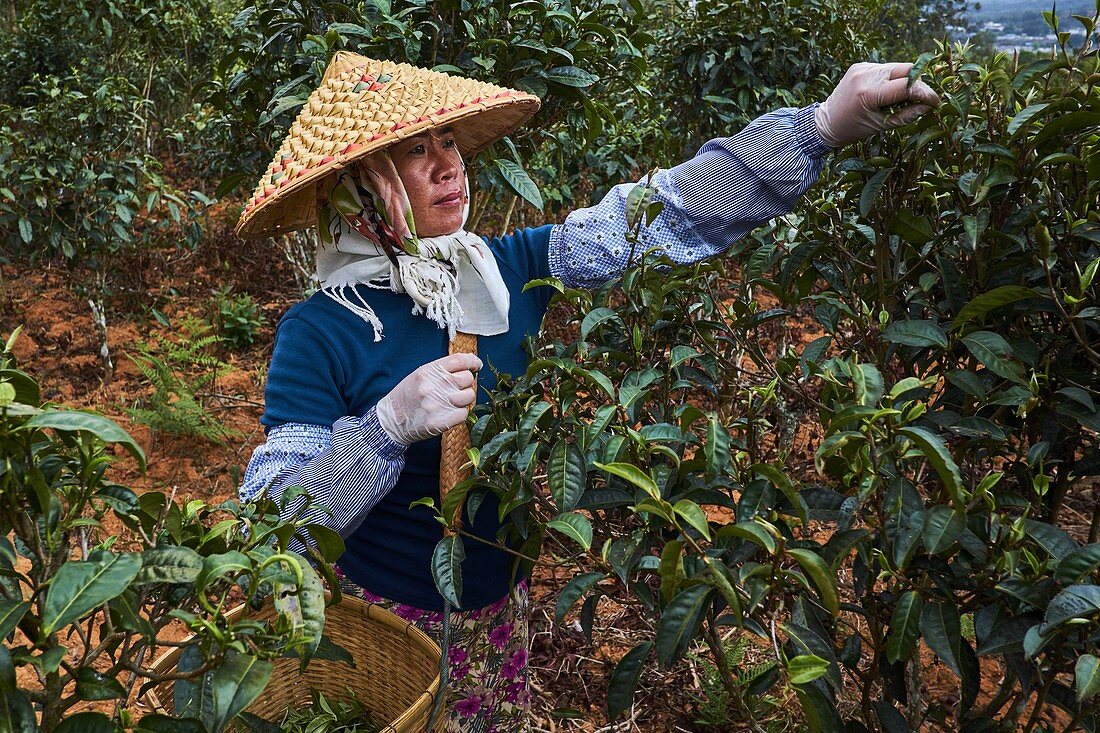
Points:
x=168, y=659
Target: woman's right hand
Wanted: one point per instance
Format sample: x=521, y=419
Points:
x=433, y=398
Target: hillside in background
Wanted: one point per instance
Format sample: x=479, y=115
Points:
x=1020, y=23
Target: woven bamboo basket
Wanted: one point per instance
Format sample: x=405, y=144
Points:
x=396, y=673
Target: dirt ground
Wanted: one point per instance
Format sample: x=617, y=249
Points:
x=60, y=346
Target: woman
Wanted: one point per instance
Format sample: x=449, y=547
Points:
x=360, y=388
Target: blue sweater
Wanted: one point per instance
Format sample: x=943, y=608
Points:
x=326, y=365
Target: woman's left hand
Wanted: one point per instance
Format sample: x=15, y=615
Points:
x=855, y=109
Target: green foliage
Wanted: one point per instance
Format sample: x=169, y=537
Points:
x=238, y=317
x=84, y=610
x=181, y=373
x=83, y=113
x=726, y=62
x=951, y=270
x=329, y=716
x=567, y=54
x=715, y=710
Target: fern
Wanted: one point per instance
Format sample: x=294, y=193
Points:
x=714, y=704
x=178, y=373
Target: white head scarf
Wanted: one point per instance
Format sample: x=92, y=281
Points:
x=368, y=236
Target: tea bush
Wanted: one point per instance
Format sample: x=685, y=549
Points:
x=86, y=610
x=565, y=53
x=950, y=270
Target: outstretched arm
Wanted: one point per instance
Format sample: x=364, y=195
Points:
x=730, y=187
x=736, y=183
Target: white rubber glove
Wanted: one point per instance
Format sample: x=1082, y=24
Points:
x=854, y=109
x=433, y=398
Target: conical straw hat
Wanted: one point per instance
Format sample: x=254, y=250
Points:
x=364, y=105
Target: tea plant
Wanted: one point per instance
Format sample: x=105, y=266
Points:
x=238, y=317
x=85, y=611
x=950, y=270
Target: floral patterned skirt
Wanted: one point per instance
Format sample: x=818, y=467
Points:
x=487, y=657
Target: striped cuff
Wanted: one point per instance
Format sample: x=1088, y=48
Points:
x=806, y=133
x=372, y=433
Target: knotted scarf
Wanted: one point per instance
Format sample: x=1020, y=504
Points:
x=368, y=236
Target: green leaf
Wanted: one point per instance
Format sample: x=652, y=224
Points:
x=1024, y=116
x=783, y=482
x=915, y=333
x=233, y=686
x=634, y=475
x=1054, y=540
x=1078, y=563
x=868, y=384
x=912, y=228
x=571, y=76
x=671, y=569
x=26, y=231
x=74, y=421
x=1006, y=637
x=919, y=65
x=94, y=685
x=327, y=540
x=566, y=474
x=572, y=592
x=821, y=575
x=520, y=183
x=936, y=453
x=82, y=585
x=214, y=567
x=680, y=354
x=624, y=680
x=575, y=526
x=680, y=621
x=88, y=722
x=1076, y=601
x=283, y=104
x=995, y=353
x=752, y=532
x=814, y=353
x=1062, y=124
x=904, y=627
x=11, y=613
x=637, y=201
x=820, y=711
x=871, y=190
x=310, y=598
x=597, y=316
x=995, y=298
x=806, y=668
x=942, y=527
x=940, y=627
x=693, y=515
x=169, y=564
x=157, y=723
x=717, y=448
x=529, y=422
x=892, y=721
x=1087, y=674
x=447, y=568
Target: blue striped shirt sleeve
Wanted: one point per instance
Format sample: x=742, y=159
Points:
x=731, y=186
x=346, y=470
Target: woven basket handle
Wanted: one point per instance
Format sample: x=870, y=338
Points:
x=456, y=440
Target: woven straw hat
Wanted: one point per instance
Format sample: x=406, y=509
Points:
x=362, y=106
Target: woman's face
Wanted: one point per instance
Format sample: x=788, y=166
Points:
x=431, y=169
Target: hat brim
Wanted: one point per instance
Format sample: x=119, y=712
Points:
x=292, y=205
